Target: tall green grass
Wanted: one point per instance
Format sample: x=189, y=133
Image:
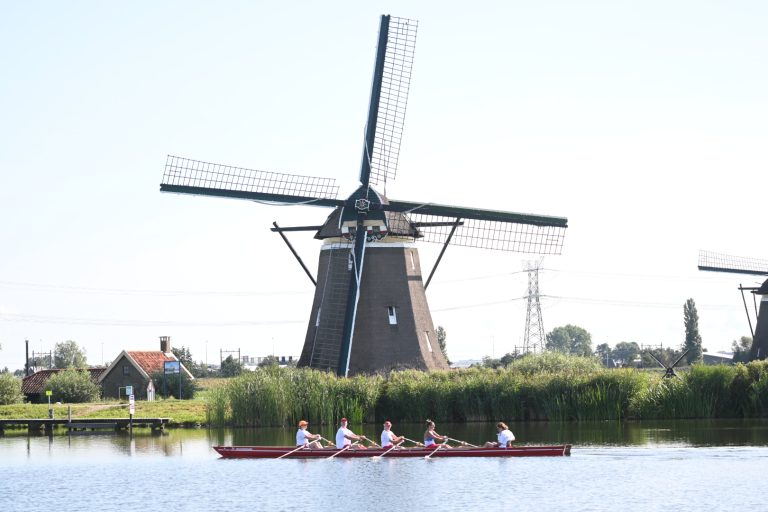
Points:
x=707, y=392
x=548, y=387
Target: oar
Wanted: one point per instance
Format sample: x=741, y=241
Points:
x=388, y=450
x=372, y=442
x=292, y=451
x=414, y=442
x=327, y=441
x=426, y=457
x=462, y=442
x=345, y=448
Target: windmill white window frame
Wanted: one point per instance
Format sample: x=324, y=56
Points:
x=429, y=343
x=392, y=313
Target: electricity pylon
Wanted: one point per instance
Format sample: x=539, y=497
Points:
x=534, y=340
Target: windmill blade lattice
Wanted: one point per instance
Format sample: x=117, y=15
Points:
x=185, y=175
x=717, y=262
x=488, y=234
x=484, y=229
x=393, y=99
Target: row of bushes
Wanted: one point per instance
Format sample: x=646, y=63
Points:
x=550, y=387
x=70, y=385
x=75, y=386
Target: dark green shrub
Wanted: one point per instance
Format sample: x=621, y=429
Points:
x=73, y=386
x=188, y=386
x=10, y=389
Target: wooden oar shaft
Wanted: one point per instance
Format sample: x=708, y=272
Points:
x=388, y=450
x=438, y=447
x=292, y=451
x=462, y=442
x=343, y=449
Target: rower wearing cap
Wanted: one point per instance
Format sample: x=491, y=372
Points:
x=388, y=438
x=303, y=437
x=344, y=436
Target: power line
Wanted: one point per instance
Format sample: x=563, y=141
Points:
x=143, y=292
x=139, y=323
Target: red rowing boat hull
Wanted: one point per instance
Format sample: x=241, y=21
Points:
x=273, y=452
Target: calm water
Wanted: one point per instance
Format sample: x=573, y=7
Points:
x=636, y=466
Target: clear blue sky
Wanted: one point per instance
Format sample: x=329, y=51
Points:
x=644, y=123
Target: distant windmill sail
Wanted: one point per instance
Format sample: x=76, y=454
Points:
x=717, y=262
x=370, y=310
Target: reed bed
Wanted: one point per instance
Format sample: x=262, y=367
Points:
x=547, y=387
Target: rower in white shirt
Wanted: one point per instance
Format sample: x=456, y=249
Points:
x=344, y=436
x=504, y=437
x=388, y=438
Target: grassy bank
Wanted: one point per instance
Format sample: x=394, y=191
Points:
x=548, y=387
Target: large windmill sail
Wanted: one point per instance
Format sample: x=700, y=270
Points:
x=718, y=262
x=370, y=311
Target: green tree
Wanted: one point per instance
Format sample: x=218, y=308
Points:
x=74, y=386
x=603, y=352
x=188, y=386
x=692, y=337
x=231, y=367
x=490, y=362
x=10, y=389
x=741, y=349
x=508, y=358
x=68, y=354
x=441, y=336
x=570, y=339
x=626, y=352
x=184, y=356
x=268, y=361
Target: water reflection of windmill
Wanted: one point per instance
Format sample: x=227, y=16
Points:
x=715, y=262
x=384, y=308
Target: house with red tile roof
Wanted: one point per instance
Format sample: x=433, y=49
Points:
x=135, y=368
x=33, y=386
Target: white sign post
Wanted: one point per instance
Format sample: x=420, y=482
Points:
x=131, y=409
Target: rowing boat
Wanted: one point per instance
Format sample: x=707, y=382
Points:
x=273, y=452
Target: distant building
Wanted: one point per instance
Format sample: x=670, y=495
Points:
x=251, y=363
x=721, y=357
x=135, y=368
x=33, y=386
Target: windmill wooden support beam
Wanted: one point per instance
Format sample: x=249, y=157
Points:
x=293, y=251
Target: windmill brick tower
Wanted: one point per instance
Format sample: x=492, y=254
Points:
x=370, y=310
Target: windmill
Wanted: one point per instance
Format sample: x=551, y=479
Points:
x=369, y=287
x=716, y=262
x=669, y=370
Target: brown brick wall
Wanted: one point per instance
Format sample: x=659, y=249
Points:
x=389, y=279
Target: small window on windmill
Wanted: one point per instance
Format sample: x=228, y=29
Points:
x=426, y=336
x=413, y=263
x=126, y=369
x=392, y=315
x=350, y=261
x=317, y=320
